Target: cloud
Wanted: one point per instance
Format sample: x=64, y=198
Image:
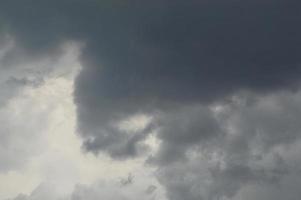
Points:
x=255, y=151
x=137, y=61
x=127, y=181
x=43, y=191
x=19, y=71
x=187, y=53
x=183, y=129
x=151, y=189
x=101, y=190
x=286, y=187
x=185, y=65
x=24, y=117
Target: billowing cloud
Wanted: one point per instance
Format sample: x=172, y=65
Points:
x=188, y=52
x=255, y=151
x=215, y=82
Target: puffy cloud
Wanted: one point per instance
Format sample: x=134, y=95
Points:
x=256, y=151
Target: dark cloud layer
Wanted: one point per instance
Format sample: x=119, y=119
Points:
x=185, y=53
x=174, y=60
x=167, y=51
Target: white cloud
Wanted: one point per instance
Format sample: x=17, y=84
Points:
x=41, y=151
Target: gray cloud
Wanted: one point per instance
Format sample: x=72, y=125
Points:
x=183, y=55
x=287, y=187
x=43, y=191
x=175, y=61
x=188, y=52
x=256, y=151
x=128, y=180
x=151, y=189
x=101, y=190
x=183, y=129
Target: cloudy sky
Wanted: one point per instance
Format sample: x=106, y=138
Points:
x=150, y=100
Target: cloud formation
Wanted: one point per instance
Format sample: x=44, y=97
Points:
x=188, y=52
x=23, y=121
x=100, y=190
x=216, y=82
x=252, y=150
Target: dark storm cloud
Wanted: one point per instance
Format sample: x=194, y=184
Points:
x=141, y=56
x=170, y=60
x=202, y=49
x=185, y=53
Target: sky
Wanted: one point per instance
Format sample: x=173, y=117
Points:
x=150, y=100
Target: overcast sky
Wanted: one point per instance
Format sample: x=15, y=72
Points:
x=150, y=100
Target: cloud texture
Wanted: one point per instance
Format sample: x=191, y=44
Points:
x=217, y=83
